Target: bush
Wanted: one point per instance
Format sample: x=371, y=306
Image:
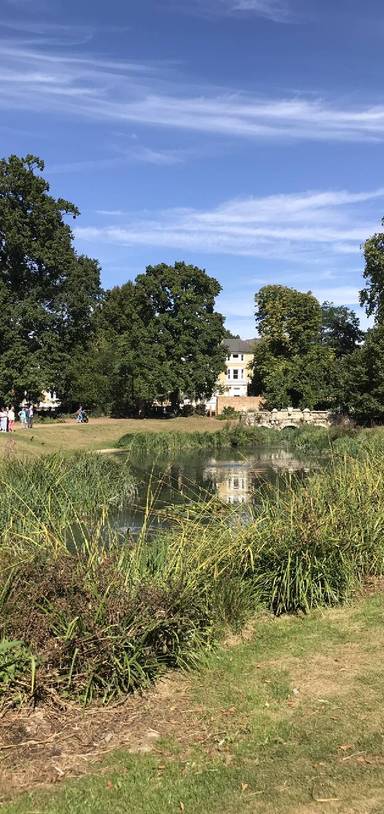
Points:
x=230, y=412
x=96, y=635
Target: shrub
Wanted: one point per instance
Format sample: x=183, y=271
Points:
x=98, y=635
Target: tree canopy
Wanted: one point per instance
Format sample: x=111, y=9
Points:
x=340, y=328
x=48, y=293
x=156, y=338
x=166, y=336
x=291, y=367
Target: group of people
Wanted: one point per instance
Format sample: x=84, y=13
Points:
x=7, y=417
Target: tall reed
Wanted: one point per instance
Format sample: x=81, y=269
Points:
x=99, y=620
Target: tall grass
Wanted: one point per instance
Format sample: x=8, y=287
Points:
x=98, y=621
x=237, y=435
x=42, y=498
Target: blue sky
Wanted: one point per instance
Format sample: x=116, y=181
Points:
x=245, y=136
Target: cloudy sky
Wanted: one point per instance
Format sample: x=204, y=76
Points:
x=245, y=136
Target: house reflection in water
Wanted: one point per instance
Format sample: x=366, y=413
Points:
x=235, y=480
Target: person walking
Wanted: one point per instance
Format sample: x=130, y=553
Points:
x=3, y=420
x=79, y=415
x=23, y=417
x=30, y=416
x=11, y=418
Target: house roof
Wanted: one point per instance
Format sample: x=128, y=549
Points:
x=240, y=345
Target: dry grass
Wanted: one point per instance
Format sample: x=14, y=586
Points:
x=100, y=433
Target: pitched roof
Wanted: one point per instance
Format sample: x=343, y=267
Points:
x=240, y=345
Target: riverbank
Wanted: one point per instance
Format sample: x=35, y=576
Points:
x=108, y=614
x=288, y=718
x=98, y=434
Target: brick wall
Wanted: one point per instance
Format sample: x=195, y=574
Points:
x=238, y=403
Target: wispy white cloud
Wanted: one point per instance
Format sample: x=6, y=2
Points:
x=276, y=10
x=51, y=81
x=308, y=228
x=137, y=154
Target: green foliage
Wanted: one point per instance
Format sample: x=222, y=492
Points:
x=340, y=329
x=372, y=296
x=51, y=500
x=291, y=367
x=17, y=670
x=159, y=338
x=104, y=618
x=229, y=436
x=98, y=634
x=290, y=320
x=229, y=412
x=362, y=382
x=48, y=294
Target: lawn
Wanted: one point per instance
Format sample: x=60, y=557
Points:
x=100, y=433
x=287, y=720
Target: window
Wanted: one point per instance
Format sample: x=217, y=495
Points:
x=235, y=356
x=235, y=373
x=228, y=373
x=242, y=373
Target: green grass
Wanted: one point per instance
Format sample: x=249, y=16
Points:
x=229, y=436
x=288, y=721
x=116, y=613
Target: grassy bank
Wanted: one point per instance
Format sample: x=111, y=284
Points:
x=236, y=435
x=288, y=720
x=100, y=433
x=103, y=619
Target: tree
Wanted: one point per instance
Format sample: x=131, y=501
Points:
x=362, y=382
x=340, y=329
x=160, y=338
x=48, y=294
x=372, y=296
x=290, y=364
x=289, y=319
x=177, y=306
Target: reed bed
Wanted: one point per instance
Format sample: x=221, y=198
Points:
x=101, y=619
x=232, y=435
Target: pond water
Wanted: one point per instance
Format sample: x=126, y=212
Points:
x=234, y=476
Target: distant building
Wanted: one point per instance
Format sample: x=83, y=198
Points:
x=237, y=377
x=235, y=380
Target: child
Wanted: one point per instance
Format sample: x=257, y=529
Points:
x=23, y=417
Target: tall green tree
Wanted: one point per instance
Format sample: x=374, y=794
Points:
x=291, y=366
x=160, y=338
x=362, y=385
x=362, y=380
x=48, y=293
x=177, y=305
x=372, y=296
x=340, y=328
x=290, y=320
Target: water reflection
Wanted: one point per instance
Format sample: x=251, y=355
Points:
x=235, y=480
x=234, y=476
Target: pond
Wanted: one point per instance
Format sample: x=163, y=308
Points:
x=234, y=476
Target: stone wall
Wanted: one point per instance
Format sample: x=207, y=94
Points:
x=239, y=403
x=279, y=419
